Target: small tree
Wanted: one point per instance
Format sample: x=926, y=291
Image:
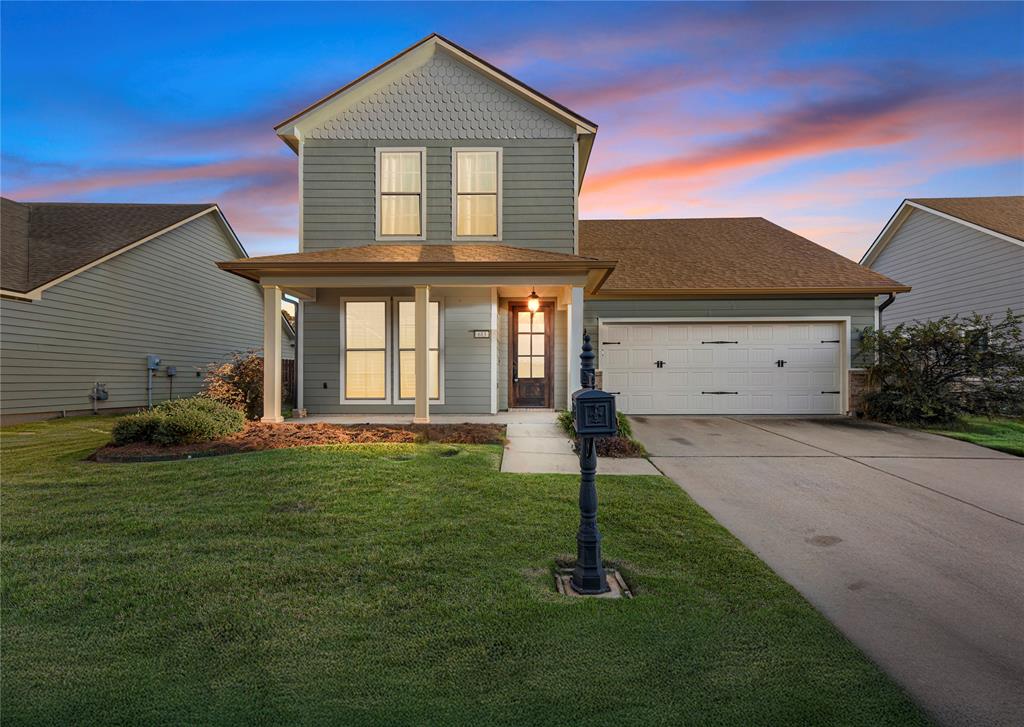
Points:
x=934, y=372
x=238, y=383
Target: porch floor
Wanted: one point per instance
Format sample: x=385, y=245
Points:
x=536, y=444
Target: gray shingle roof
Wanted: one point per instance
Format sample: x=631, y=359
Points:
x=42, y=241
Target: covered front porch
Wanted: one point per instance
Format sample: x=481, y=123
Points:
x=421, y=331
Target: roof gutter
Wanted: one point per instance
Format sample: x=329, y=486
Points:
x=748, y=292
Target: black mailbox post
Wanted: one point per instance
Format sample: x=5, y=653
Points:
x=594, y=416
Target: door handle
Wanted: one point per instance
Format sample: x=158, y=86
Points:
x=659, y=364
x=780, y=363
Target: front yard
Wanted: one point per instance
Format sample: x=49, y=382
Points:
x=389, y=584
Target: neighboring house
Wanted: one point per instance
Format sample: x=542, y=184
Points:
x=962, y=255
x=442, y=266
x=89, y=291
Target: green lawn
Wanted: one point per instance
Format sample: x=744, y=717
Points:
x=389, y=585
x=1006, y=435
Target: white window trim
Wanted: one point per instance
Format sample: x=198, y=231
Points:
x=391, y=351
x=455, y=194
x=397, y=349
x=343, y=349
x=423, y=194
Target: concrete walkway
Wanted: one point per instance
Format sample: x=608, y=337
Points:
x=541, y=447
x=912, y=544
x=536, y=444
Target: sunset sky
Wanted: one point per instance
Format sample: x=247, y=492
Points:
x=820, y=117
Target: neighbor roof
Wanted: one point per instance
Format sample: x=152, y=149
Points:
x=721, y=257
x=1004, y=215
x=999, y=216
x=44, y=241
x=418, y=259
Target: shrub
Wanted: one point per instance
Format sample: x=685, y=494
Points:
x=237, y=383
x=935, y=372
x=181, y=421
x=185, y=421
x=135, y=428
x=565, y=421
x=621, y=445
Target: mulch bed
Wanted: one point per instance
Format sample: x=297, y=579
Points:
x=257, y=437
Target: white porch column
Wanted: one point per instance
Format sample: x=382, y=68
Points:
x=575, y=338
x=300, y=344
x=423, y=373
x=494, y=350
x=272, y=354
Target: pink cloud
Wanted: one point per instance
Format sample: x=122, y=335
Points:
x=139, y=177
x=849, y=123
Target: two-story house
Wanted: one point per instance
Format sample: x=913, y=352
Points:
x=442, y=267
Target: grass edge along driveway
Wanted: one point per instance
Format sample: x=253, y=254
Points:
x=1004, y=435
x=389, y=584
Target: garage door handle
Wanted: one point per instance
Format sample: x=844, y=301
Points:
x=703, y=342
x=720, y=392
x=835, y=341
x=611, y=343
x=830, y=392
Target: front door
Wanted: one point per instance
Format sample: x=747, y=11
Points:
x=532, y=343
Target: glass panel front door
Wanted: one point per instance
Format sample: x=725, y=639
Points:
x=531, y=356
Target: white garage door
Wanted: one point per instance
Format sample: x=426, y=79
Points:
x=723, y=368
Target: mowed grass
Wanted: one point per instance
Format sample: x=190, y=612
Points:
x=1005, y=435
x=398, y=584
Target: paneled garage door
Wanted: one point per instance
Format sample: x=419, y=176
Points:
x=723, y=368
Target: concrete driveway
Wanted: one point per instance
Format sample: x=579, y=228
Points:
x=911, y=544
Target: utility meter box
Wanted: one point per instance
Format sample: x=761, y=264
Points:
x=152, y=362
x=594, y=413
x=172, y=371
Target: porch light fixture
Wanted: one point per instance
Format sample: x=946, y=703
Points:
x=533, y=302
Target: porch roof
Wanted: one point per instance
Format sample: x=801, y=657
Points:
x=423, y=259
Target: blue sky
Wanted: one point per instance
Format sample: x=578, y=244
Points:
x=821, y=117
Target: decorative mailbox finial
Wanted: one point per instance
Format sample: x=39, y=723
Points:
x=587, y=377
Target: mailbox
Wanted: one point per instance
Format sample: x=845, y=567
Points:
x=594, y=413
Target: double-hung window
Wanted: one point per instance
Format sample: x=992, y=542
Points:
x=378, y=354
x=407, y=348
x=476, y=202
x=400, y=182
x=365, y=337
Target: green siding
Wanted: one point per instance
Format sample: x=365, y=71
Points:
x=467, y=360
x=538, y=194
x=165, y=297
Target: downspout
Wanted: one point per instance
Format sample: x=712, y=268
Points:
x=885, y=304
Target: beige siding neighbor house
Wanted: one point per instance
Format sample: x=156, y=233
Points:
x=91, y=291
x=443, y=268
x=962, y=255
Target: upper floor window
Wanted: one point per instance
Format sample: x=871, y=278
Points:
x=400, y=208
x=476, y=203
